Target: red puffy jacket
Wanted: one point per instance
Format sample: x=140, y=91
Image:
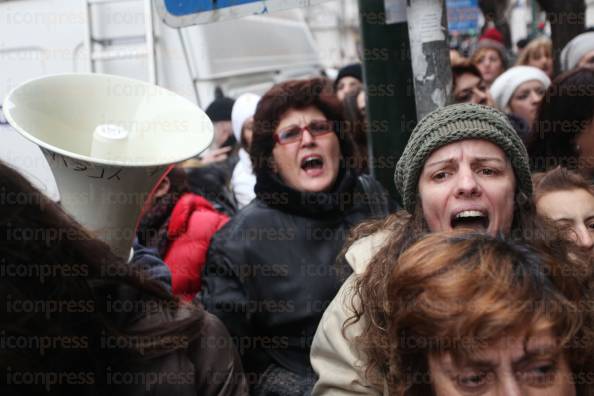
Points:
x=192, y=224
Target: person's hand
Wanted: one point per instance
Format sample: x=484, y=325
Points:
x=215, y=155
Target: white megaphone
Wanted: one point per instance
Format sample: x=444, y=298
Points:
x=108, y=141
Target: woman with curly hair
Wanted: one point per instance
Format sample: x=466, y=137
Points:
x=475, y=314
x=490, y=57
x=271, y=270
x=464, y=167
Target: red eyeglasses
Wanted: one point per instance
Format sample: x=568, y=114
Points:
x=294, y=133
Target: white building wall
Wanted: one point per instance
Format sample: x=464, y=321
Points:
x=589, y=13
x=520, y=16
x=335, y=27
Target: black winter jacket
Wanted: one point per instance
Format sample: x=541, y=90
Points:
x=271, y=271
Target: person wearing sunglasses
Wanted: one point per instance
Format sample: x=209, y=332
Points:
x=272, y=270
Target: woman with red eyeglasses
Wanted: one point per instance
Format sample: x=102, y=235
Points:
x=272, y=270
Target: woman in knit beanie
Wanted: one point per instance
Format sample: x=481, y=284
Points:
x=349, y=79
x=464, y=167
x=520, y=91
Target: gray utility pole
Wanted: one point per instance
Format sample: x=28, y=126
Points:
x=430, y=54
x=407, y=74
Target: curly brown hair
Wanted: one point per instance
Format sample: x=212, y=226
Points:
x=369, y=298
x=461, y=293
x=478, y=55
x=293, y=94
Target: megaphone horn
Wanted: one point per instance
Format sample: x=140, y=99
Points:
x=108, y=140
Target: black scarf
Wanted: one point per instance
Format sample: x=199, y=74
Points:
x=275, y=193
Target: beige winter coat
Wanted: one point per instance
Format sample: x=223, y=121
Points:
x=336, y=359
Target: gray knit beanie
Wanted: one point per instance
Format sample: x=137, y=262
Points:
x=451, y=124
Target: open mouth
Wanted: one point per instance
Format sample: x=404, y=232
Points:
x=475, y=219
x=312, y=164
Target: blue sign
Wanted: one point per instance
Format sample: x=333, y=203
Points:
x=463, y=16
x=179, y=13
x=186, y=7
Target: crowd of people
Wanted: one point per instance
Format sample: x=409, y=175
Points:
x=275, y=264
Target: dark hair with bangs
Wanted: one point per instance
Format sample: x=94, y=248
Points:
x=459, y=293
x=294, y=94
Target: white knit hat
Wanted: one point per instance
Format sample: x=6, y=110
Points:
x=243, y=108
x=576, y=49
x=505, y=85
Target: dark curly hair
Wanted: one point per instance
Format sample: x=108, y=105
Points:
x=369, y=292
x=460, y=293
x=294, y=94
